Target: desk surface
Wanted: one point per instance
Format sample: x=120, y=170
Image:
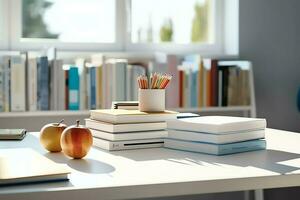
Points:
x=164, y=172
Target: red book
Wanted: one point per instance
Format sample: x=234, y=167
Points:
x=214, y=79
x=181, y=85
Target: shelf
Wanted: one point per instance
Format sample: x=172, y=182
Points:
x=86, y=112
x=215, y=109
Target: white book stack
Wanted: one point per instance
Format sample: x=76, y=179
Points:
x=118, y=129
x=217, y=135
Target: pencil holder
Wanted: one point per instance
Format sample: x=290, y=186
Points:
x=152, y=100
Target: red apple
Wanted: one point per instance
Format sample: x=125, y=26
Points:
x=50, y=136
x=76, y=141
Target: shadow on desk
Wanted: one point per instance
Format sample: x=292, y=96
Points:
x=86, y=165
x=271, y=160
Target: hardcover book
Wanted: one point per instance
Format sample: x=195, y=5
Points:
x=73, y=88
x=118, y=128
x=216, y=138
x=119, y=116
x=129, y=135
x=43, y=83
x=34, y=167
x=215, y=149
x=217, y=124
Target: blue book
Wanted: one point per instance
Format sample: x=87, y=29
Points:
x=42, y=83
x=215, y=149
x=93, y=87
x=73, y=88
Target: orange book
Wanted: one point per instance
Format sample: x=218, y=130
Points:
x=200, y=84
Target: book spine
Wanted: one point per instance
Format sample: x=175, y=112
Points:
x=66, y=89
x=225, y=87
x=73, y=88
x=98, y=71
x=80, y=63
x=61, y=80
x=6, y=61
x=52, y=86
x=181, y=86
x=194, y=90
x=200, y=84
x=119, y=81
x=172, y=92
x=1, y=88
x=208, y=89
x=220, y=88
x=93, y=87
x=214, y=82
x=88, y=87
x=18, y=98
x=32, y=84
x=129, y=80
x=43, y=84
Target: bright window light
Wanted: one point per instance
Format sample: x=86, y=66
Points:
x=176, y=21
x=69, y=20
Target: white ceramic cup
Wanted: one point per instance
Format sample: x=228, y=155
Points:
x=152, y=100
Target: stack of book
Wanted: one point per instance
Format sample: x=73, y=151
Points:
x=119, y=129
x=217, y=135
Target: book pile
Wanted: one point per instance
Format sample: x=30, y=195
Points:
x=217, y=135
x=118, y=129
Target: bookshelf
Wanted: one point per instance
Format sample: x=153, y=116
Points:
x=32, y=120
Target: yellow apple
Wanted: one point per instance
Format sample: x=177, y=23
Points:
x=50, y=136
x=76, y=141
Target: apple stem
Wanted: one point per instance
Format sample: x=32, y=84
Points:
x=61, y=121
x=77, y=122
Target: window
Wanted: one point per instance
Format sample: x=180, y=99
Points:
x=176, y=21
x=3, y=25
x=118, y=25
x=69, y=20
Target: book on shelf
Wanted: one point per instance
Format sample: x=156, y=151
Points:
x=34, y=167
x=119, y=116
x=73, y=88
x=119, y=128
x=43, y=83
x=215, y=149
x=217, y=124
x=17, y=84
x=127, y=144
x=32, y=84
x=238, y=136
x=49, y=85
x=198, y=81
x=158, y=134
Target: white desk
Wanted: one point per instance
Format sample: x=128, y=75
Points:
x=162, y=172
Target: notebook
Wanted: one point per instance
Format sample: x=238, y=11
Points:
x=129, y=135
x=128, y=144
x=118, y=128
x=217, y=124
x=12, y=134
x=216, y=138
x=120, y=116
x=215, y=149
x=24, y=165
